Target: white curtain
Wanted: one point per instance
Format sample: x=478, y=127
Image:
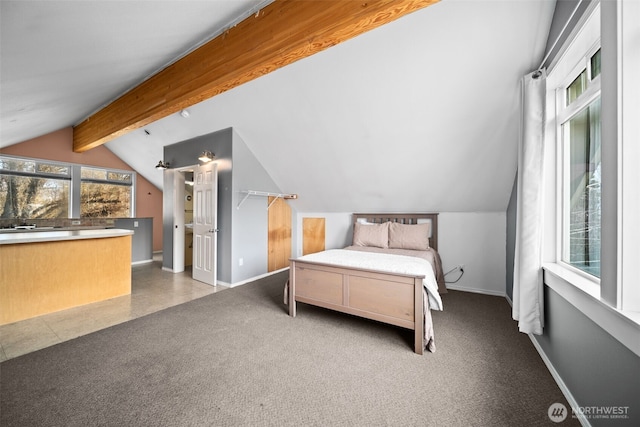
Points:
x=527, y=276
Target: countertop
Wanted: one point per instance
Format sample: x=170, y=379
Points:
x=51, y=235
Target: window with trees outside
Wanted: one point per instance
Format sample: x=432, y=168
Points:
x=582, y=161
x=40, y=189
x=591, y=194
x=105, y=193
x=34, y=189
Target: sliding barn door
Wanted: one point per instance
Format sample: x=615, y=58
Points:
x=279, y=245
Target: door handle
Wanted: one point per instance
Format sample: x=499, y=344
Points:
x=213, y=230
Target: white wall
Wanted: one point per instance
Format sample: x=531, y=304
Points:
x=477, y=240
x=251, y=221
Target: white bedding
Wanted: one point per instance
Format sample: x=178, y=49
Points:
x=387, y=263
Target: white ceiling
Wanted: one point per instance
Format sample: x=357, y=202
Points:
x=63, y=60
x=420, y=114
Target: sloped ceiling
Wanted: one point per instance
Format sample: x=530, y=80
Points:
x=421, y=114
x=63, y=60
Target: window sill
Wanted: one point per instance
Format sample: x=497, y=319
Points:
x=585, y=296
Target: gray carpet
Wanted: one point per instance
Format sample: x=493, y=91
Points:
x=235, y=358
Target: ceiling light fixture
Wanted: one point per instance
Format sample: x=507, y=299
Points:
x=184, y=113
x=206, y=156
x=162, y=165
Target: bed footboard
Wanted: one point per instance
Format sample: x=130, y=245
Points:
x=390, y=298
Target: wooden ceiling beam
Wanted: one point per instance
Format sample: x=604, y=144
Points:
x=280, y=34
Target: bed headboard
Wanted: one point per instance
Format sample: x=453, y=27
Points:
x=404, y=218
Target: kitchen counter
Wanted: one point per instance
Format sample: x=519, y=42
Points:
x=8, y=236
x=43, y=271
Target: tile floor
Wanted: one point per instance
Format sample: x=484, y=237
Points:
x=152, y=289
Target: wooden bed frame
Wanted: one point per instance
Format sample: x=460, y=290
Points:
x=390, y=298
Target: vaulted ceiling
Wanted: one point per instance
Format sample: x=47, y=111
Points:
x=419, y=114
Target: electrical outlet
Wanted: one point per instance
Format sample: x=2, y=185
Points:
x=75, y=222
x=461, y=267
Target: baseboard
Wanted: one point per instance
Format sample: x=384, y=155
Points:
x=563, y=387
x=252, y=279
x=476, y=291
x=144, y=261
x=509, y=300
x=556, y=377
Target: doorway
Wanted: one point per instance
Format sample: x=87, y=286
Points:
x=188, y=218
x=195, y=221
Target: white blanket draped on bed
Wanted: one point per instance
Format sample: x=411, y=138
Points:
x=387, y=263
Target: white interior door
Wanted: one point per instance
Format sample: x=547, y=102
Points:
x=205, y=222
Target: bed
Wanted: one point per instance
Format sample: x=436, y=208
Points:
x=392, y=273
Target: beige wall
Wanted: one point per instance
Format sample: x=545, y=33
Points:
x=58, y=146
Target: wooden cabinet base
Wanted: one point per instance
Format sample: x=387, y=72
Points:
x=44, y=277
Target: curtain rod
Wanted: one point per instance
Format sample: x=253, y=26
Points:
x=265, y=194
x=553, y=46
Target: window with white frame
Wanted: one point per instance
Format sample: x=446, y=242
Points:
x=579, y=123
x=578, y=97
